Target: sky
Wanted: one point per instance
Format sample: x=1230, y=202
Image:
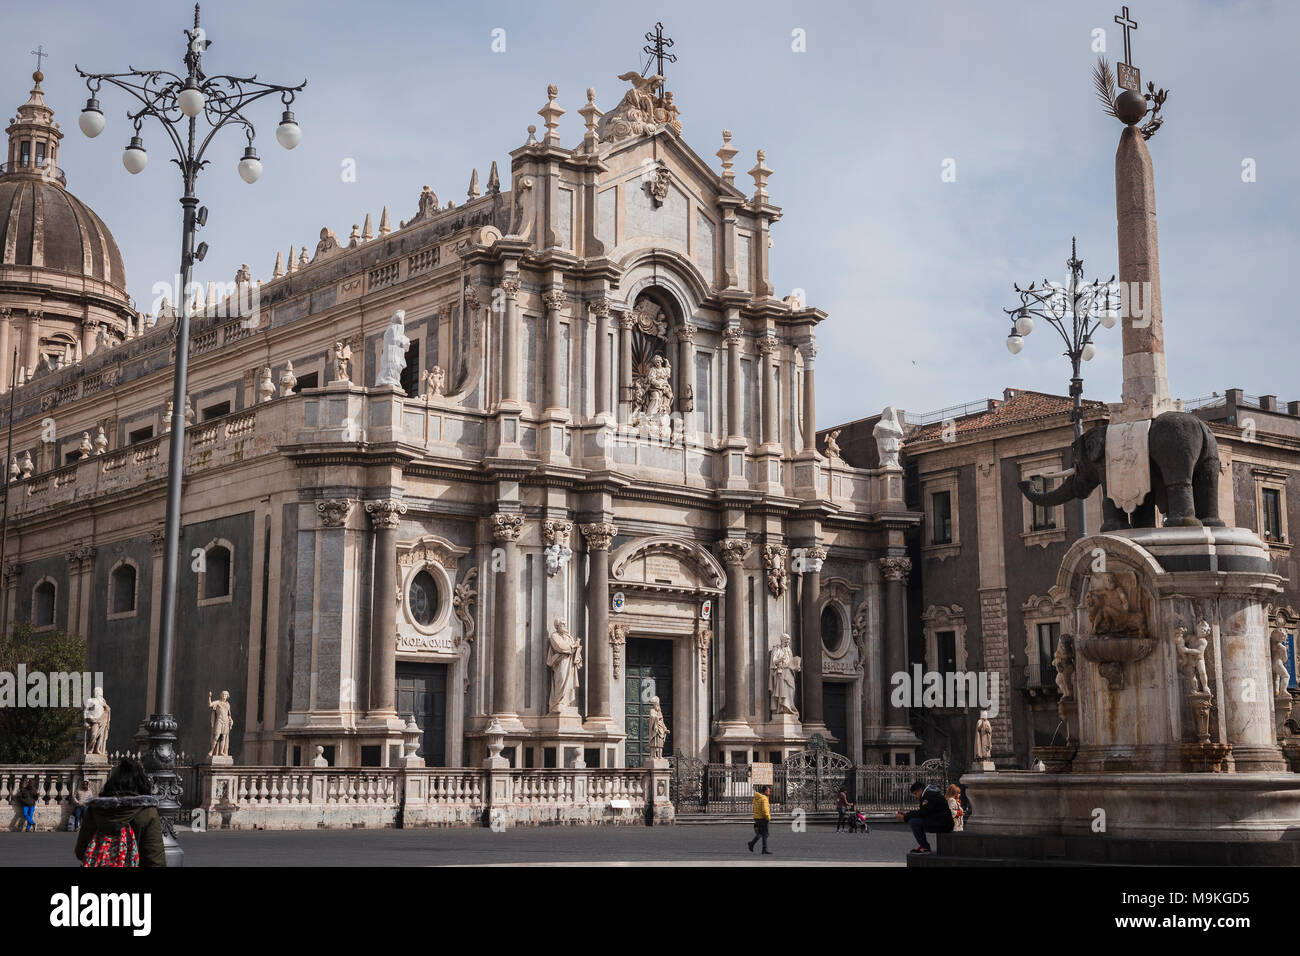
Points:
x=859, y=125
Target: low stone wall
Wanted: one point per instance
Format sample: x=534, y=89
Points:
x=54, y=784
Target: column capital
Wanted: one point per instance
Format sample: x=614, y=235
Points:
x=35, y=313
x=734, y=551
x=556, y=530
x=507, y=526
x=686, y=334
x=895, y=569
x=809, y=351
x=555, y=300
x=732, y=335
x=334, y=512
x=12, y=571
x=510, y=286
x=472, y=298
x=385, y=513
x=626, y=321
x=599, y=535
x=157, y=537
x=768, y=344
x=599, y=307
x=80, y=557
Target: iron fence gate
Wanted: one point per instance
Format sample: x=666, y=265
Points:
x=809, y=780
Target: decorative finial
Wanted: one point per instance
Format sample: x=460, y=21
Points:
x=590, y=116
x=657, y=49
x=278, y=271
x=532, y=136
x=384, y=227
x=1130, y=106
x=293, y=263
x=40, y=54
x=494, y=179
x=760, y=172
x=727, y=154
x=354, y=237
x=474, y=192
x=367, y=232
x=550, y=114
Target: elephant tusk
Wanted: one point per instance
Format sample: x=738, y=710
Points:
x=1057, y=474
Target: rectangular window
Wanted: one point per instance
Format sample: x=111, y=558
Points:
x=1042, y=518
x=941, y=517
x=946, y=645
x=139, y=435
x=40, y=155
x=25, y=153
x=1272, y=499
x=216, y=411
x=309, y=380
x=704, y=392
x=1048, y=635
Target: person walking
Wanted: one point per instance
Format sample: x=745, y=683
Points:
x=931, y=815
x=79, y=798
x=121, y=826
x=955, y=808
x=27, y=797
x=762, y=819
x=842, y=807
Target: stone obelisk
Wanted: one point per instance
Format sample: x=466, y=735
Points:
x=1145, y=392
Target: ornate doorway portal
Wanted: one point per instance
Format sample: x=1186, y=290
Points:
x=649, y=674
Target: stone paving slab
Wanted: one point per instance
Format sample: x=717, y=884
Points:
x=536, y=846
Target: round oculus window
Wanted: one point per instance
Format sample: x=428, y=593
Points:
x=832, y=629
x=423, y=599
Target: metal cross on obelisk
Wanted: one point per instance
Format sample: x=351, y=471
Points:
x=39, y=53
x=1130, y=77
x=657, y=49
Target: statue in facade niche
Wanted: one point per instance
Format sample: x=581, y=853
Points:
x=392, y=356
x=564, y=658
x=658, y=729
x=97, y=715
x=222, y=722
x=1281, y=675
x=889, y=438
x=782, y=666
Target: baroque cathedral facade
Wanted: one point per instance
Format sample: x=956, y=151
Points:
x=600, y=461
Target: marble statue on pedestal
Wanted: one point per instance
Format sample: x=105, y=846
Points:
x=319, y=760
x=658, y=729
x=782, y=666
x=889, y=438
x=564, y=658
x=288, y=381
x=342, y=358
x=392, y=355
x=983, y=737
x=1281, y=676
x=222, y=722
x=1063, y=661
x=96, y=716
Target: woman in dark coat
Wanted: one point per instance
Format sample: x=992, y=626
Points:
x=124, y=801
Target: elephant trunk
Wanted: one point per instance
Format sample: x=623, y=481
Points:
x=1067, y=490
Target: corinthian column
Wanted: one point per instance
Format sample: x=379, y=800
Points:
x=510, y=345
x=767, y=347
x=505, y=529
x=625, y=324
x=734, y=551
x=600, y=309
x=685, y=373
x=735, y=425
x=555, y=301
x=598, y=537
x=894, y=570
x=811, y=649
x=384, y=515
x=809, y=351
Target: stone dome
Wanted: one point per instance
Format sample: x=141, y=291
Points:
x=44, y=225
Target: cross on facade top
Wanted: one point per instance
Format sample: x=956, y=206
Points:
x=1127, y=24
x=656, y=49
x=39, y=53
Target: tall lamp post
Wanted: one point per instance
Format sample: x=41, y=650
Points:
x=1074, y=310
x=178, y=102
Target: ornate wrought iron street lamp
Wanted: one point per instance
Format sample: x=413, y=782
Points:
x=1075, y=310
x=178, y=103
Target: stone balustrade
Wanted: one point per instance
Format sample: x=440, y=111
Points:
x=291, y=798
x=54, y=785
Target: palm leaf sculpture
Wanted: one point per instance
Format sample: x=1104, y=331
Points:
x=1104, y=79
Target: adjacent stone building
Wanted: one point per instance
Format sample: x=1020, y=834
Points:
x=604, y=416
x=984, y=598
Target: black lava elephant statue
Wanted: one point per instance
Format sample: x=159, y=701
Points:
x=1184, y=461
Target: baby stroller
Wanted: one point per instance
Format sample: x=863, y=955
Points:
x=858, y=821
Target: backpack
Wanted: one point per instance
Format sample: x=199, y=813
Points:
x=107, y=850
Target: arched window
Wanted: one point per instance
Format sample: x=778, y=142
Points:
x=424, y=599
x=215, y=583
x=121, y=589
x=832, y=628
x=43, y=604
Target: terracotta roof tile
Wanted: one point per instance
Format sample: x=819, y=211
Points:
x=1023, y=406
